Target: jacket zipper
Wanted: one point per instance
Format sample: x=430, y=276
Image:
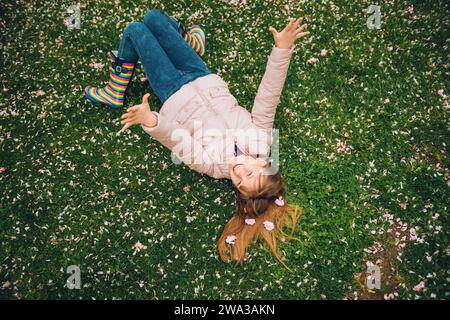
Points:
x=199, y=91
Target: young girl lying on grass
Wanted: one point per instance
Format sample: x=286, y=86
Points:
x=203, y=124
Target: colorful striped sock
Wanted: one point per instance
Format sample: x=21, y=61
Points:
x=196, y=38
x=113, y=94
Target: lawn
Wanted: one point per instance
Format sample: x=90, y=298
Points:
x=363, y=123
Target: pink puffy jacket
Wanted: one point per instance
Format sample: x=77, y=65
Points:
x=203, y=110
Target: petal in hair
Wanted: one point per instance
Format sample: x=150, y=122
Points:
x=250, y=221
x=280, y=201
x=230, y=239
x=268, y=225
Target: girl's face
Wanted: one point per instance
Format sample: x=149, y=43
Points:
x=246, y=173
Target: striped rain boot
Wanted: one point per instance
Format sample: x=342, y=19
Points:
x=195, y=37
x=113, y=95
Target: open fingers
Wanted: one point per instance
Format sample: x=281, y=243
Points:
x=145, y=98
x=301, y=35
x=133, y=109
x=125, y=127
x=273, y=30
x=291, y=23
x=127, y=115
x=131, y=120
x=297, y=23
x=302, y=27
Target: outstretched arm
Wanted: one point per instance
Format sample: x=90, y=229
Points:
x=272, y=83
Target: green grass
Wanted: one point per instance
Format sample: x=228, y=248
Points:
x=61, y=154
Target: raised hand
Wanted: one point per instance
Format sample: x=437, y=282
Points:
x=139, y=114
x=293, y=31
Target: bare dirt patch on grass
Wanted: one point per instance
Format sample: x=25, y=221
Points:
x=385, y=254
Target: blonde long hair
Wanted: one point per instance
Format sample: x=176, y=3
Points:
x=264, y=208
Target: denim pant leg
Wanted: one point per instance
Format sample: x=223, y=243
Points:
x=138, y=42
x=178, y=50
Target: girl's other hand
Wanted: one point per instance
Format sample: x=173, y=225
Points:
x=139, y=114
x=293, y=31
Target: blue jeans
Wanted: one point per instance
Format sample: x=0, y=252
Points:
x=168, y=60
